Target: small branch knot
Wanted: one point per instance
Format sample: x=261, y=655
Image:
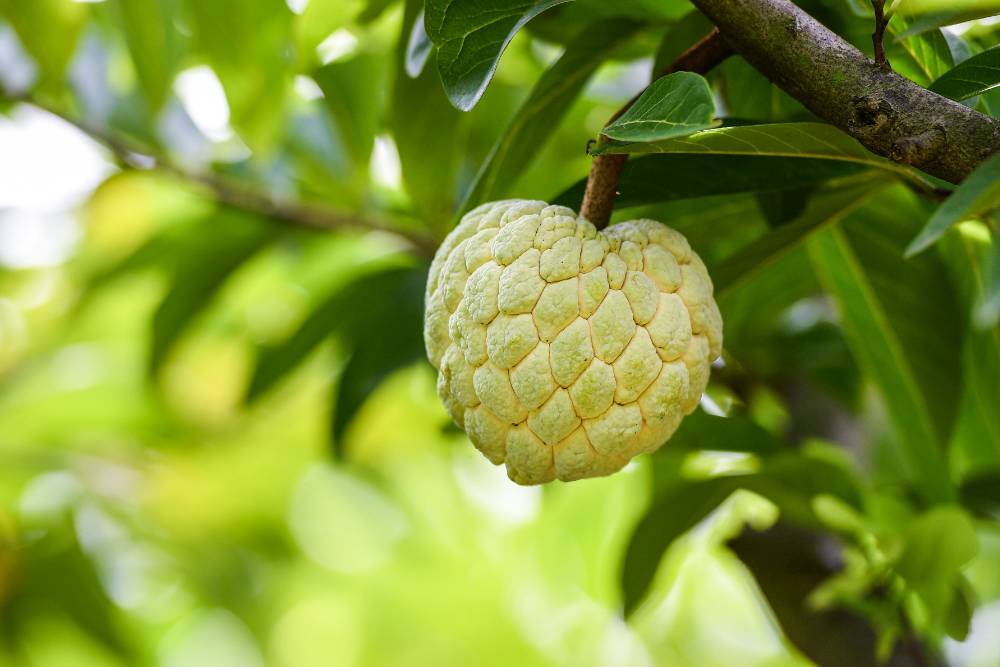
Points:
x=919, y=149
x=871, y=114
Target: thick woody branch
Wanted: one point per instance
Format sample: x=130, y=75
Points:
x=889, y=114
x=236, y=195
x=602, y=184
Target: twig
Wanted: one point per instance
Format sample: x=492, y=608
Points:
x=605, y=171
x=878, y=37
x=228, y=192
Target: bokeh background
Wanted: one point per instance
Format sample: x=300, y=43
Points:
x=150, y=514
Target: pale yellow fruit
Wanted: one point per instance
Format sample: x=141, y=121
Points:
x=564, y=351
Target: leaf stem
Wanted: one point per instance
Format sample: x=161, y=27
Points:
x=605, y=171
x=226, y=191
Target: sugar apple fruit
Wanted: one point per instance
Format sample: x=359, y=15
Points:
x=564, y=351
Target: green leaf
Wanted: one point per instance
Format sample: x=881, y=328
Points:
x=670, y=516
x=385, y=334
x=352, y=90
x=319, y=20
x=981, y=7
x=247, y=45
x=153, y=42
x=427, y=130
x=418, y=47
x=976, y=445
x=937, y=545
x=49, y=30
x=926, y=55
x=789, y=563
x=824, y=209
x=930, y=21
x=470, y=39
x=975, y=76
x=787, y=140
x=987, y=312
x=788, y=479
x=979, y=192
x=329, y=317
x=903, y=326
x=672, y=106
x=228, y=239
x=652, y=179
x=545, y=107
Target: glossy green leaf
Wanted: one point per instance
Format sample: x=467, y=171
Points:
x=902, y=324
x=547, y=104
x=229, y=239
x=651, y=179
x=471, y=37
x=149, y=27
x=978, y=193
x=929, y=21
x=975, y=76
x=786, y=140
x=672, y=106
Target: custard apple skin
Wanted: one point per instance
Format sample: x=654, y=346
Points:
x=564, y=351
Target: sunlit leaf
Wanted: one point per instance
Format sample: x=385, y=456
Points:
x=548, y=102
x=470, y=40
x=384, y=334
x=979, y=192
x=49, y=30
x=786, y=140
x=149, y=27
x=229, y=239
x=672, y=106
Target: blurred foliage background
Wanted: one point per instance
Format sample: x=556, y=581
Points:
x=219, y=441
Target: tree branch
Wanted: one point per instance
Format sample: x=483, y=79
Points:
x=887, y=113
x=228, y=192
x=602, y=184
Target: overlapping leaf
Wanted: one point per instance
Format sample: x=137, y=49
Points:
x=471, y=36
x=672, y=106
x=979, y=192
x=975, y=76
x=903, y=325
x=548, y=102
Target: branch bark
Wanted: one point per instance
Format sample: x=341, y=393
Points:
x=231, y=193
x=887, y=113
x=602, y=183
